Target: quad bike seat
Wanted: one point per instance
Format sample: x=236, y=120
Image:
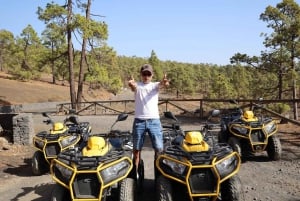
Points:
x=96, y=146
x=193, y=142
x=248, y=116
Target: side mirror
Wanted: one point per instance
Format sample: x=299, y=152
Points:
x=45, y=114
x=122, y=117
x=233, y=101
x=170, y=115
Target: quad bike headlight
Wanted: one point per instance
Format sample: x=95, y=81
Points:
x=270, y=127
x=240, y=130
x=68, y=141
x=176, y=167
x=115, y=171
x=39, y=143
x=63, y=173
x=227, y=166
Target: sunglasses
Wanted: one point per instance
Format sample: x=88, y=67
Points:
x=148, y=74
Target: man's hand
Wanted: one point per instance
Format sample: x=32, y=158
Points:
x=132, y=83
x=165, y=82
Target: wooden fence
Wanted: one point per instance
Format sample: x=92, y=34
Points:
x=192, y=107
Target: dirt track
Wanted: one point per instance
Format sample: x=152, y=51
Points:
x=262, y=179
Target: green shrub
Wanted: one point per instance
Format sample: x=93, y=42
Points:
x=280, y=108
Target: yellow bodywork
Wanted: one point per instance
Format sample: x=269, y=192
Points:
x=193, y=142
x=58, y=128
x=249, y=129
x=40, y=143
x=189, y=167
x=74, y=171
x=96, y=146
x=248, y=116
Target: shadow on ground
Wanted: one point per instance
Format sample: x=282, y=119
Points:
x=43, y=190
x=23, y=170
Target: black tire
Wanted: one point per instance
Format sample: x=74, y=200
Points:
x=60, y=193
x=247, y=149
x=232, y=189
x=127, y=190
x=235, y=145
x=163, y=189
x=39, y=165
x=274, y=149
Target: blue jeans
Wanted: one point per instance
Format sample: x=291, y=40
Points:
x=154, y=130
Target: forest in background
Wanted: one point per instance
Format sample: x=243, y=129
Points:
x=272, y=75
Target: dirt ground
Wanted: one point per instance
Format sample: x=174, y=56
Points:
x=262, y=179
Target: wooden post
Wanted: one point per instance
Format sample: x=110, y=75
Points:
x=201, y=109
x=166, y=106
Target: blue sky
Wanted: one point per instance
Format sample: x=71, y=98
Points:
x=193, y=31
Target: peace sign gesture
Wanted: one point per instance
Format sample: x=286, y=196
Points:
x=165, y=81
x=132, y=83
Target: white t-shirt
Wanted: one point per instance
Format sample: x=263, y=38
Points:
x=146, y=100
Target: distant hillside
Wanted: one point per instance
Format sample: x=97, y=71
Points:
x=13, y=92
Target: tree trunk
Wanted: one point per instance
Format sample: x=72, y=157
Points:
x=280, y=83
x=294, y=83
x=52, y=64
x=70, y=55
x=82, y=60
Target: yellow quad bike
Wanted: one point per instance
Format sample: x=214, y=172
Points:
x=102, y=170
x=190, y=168
x=249, y=134
x=62, y=136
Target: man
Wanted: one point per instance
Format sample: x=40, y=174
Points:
x=146, y=119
